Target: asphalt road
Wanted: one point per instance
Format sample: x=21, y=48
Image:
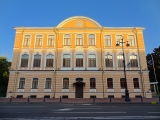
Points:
x=46, y=111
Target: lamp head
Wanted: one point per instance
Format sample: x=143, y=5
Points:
x=117, y=44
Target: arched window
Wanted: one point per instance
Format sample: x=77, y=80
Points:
x=92, y=60
x=79, y=39
x=133, y=61
x=107, y=40
x=39, y=40
x=91, y=39
x=65, y=83
x=79, y=60
x=66, y=60
x=35, y=83
x=37, y=61
x=109, y=61
x=67, y=39
x=50, y=40
x=92, y=83
x=120, y=60
x=24, y=60
x=49, y=60
x=136, y=83
x=110, y=83
x=26, y=40
x=131, y=40
x=21, y=83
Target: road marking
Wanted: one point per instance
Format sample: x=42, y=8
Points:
x=22, y=112
x=88, y=112
x=22, y=106
x=65, y=109
x=153, y=112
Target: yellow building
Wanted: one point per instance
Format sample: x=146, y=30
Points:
x=78, y=59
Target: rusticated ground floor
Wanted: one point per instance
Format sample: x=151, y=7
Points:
x=77, y=84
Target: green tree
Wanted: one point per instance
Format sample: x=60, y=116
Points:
x=4, y=75
x=156, y=60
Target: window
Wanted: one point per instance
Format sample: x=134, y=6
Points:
x=119, y=39
x=79, y=39
x=19, y=96
x=91, y=39
x=67, y=39
x=92, y=60
x=79, y=60
x=110, y=83
x=133, y=61
x=48, y=83
x=120, y=60
x=122, y=80
x=131, y=40
x=107, y=40
x=37, y=61
x=39, y=40
x=65, y=83
x=21, y=83
x=24, y=60
x=92, y=83
x=66, y=60
x=109, y=61
x=35, y=83
x=49, y=60
x=50, y=40
x=136, y=82
x=26, y=40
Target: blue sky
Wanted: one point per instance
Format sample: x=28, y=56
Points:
x=108, y=13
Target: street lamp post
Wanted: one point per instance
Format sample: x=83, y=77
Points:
x=127, y=99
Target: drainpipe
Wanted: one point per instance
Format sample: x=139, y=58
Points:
x=102, y=63
x=141, y=72
x=16, y=73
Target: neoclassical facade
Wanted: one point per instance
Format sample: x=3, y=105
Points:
x=78, y=59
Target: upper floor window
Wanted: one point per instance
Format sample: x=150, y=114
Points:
x=35, y=83
x=49, y=60
x=37, y=61
x=50, y=40
x=91, y=39
x=92, y=60
x=21, y=83
x=119, y=39
x=110, y=83
x=133, y=61
x=136, y=82
x=67, y=39
x=24, y=60
x=109, y=61
x=48, y=83
x=79, y=39
x=122, y=81
x=26, y=40
x=120, y=60
x=131, y=40
x=39, y=40
x=92, y=83
x=66, y=60
x=79, y=60
x=107, y=40
x=65, y=83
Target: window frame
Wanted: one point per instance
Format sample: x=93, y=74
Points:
x=136, y=84
x=46, y=60
x=53, y=41
x=64, y=87
x=124, y=82
x=120, y=44
x=67, y=40
x=34, y=59
x=91, y=40
x=24, y=40
x=89, y=64
x=93, y=84
x=23, y=83
x=132, y=40
x=36, y=84
x=82, y=60
x=112, y=87
x=21, y=61
x=50, y=83
x=107, y=41
x=35, y=44
x=66, y=58
x=79, y=40
x=108, y=59
x=133, y=59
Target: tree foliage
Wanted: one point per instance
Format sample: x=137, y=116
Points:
x=4, y=75
x=156, y=60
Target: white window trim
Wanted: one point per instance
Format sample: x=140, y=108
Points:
x=107, y=83
x=68, y=85
x=45, y=82
x=106, y=53
x=92, y=68
x=82, y=39
x=29, y=41
x=48, y=37
x=66, y=68
x=19, y=81
x=32, y=83
x=130, y=53
x=36, y=39
x=70, y=39
x=45, y=58
x=95, y=83
x=135, y=41
x=27, y=53
x=79, y=68
x=104, y=40
x=35, y=53
x=138, y=82
x=88, y=39
x=118, y=53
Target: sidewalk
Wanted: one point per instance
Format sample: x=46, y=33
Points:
x=79, y=100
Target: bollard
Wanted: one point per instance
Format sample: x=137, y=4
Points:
x=11, y=99
x=94, y=99
x=44, y=99
x=60, y=99
x=141, y=99
x=28, y=98
x=110, y=99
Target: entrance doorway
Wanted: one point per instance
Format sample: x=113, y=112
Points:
x=79, y=90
